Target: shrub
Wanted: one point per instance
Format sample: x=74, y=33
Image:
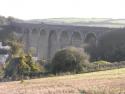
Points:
x=101, y=62
x=23, y=67
x=70, y=60
x=34, y=66
x=20, y=66
x=102, y=65
x=1, y=69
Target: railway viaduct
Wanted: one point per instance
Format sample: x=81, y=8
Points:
x=46, y=39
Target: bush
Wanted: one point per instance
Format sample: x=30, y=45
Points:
x=69, y=60
x=20, y=66
x=1, y=70
x=101, y=62
x=102, y=65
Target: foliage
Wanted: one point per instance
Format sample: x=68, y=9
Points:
x=11, y=67
x=69, y=60
x=112, y=46
x=101, y=62
x=19, y=66
x=1, y=69
x=101, y=65
x=23, y=67
x=34, y=67
x=16, y=47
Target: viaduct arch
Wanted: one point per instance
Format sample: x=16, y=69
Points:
x=47, y=39
x=52, y=43
x=64, y=39
x=91, y=39
x=76, y=39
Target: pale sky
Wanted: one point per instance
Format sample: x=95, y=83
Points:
x=40, y=9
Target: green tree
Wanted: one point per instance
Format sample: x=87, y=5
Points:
x=33, y=65
x=70, y=60
x=16, y=47
x=21, y=66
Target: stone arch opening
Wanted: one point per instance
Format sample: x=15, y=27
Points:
x=64, y=39
x=26, y=40
x=34, y=31
x=52, y=44
x=91, y=45
x=76, y=39
x=90, y=39
x=42, y=32
x=42, y=44
x=34, y=38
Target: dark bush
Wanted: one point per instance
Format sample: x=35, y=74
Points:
x=70, y=60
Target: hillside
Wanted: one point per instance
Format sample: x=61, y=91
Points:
x=3, y=20
x=96, y=22
x=103, y=82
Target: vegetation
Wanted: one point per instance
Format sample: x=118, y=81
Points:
x=70, y=60
x=73, y=60
x=19, y=66
x=1, y=70
x=112, y=48
x=101, y=62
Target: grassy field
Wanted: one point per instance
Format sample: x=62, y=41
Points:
x=103, y=82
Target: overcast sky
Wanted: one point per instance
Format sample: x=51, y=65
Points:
x=40, y=9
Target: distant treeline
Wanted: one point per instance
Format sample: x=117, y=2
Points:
x=111, y=47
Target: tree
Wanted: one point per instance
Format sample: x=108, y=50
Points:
x=16, y=47
x=16, y=66
x=69, y=60
x=21, y=66
x=34, y=67
x=112, y=46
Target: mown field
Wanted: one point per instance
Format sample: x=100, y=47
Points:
x=103, y=82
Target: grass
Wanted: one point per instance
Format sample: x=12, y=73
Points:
x=103, y=82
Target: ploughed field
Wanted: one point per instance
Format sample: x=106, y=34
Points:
x=103, y=82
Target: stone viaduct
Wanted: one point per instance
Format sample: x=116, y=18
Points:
x=46, y=39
